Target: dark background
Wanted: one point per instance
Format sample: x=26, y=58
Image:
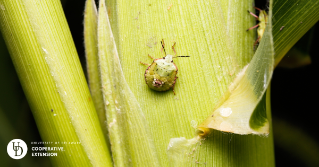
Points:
x=293, y=97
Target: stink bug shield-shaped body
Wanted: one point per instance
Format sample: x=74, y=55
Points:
x=262, y=18
x=161, y=74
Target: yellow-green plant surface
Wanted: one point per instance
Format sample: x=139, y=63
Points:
x=213, y=34
x=43, y=53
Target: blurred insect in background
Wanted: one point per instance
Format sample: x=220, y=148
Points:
x=263, y=17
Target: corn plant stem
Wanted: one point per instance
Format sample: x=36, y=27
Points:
x=43, y=53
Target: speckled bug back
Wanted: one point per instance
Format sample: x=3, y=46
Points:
x=161, y=74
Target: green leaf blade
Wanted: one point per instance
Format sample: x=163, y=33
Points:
x=297, y=17
x=131, y=142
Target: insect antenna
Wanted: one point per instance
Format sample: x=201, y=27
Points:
x=181, y=56
x=257, y=8
x=162, y=42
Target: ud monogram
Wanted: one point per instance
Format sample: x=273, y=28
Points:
x=17, y=148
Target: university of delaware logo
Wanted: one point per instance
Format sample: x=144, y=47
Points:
x=17, y=149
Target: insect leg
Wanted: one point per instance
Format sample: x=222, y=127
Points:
x=253, y=14
x=256, y=42
x=174, y=85
x=145, y=63
x=252, y=27
x=151, y=57
x=173, y=90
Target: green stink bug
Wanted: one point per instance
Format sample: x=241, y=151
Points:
x=161, y=74
x=263, y=17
